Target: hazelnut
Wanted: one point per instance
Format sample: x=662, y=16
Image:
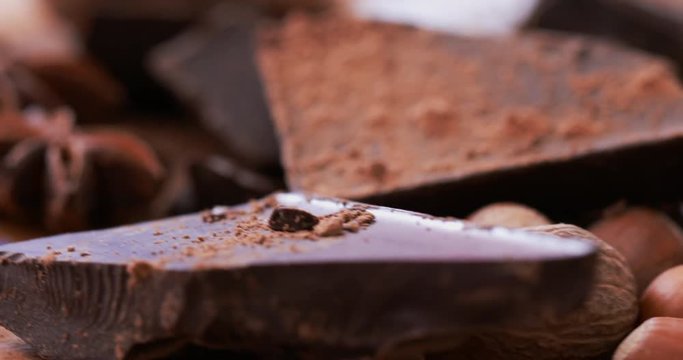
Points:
x=657, y=338
x=664, y=296
x=650, y=241
x=591, y=331
x=508, y=214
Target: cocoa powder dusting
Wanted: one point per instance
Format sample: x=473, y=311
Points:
x=252, y=228
x=393, y=122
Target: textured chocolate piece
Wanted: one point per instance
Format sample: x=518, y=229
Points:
x=234, y=283
x=421, y=120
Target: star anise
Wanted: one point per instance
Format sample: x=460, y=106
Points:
x=66, y=178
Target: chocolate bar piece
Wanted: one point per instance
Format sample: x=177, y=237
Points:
x=211, y=68
x=413, y=119
x=364, y=277
x=218, y=180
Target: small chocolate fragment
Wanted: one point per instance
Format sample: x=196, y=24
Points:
x=555, y=113
x=216, y=214
x=333, y=226
x=151, y=287
x=292, y=220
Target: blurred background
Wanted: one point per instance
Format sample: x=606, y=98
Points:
x=119, y=111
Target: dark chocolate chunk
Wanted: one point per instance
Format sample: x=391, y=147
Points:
x=291, y=220
x=212, y=68
x=447, y=124
x=236, y=284
x=219, y=180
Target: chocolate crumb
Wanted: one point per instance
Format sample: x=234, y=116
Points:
x=329, y=227
x=216, y=214
x=351, y=220
x=84, y=254
x=71, y=248
x=291, y=220
x=352, y=226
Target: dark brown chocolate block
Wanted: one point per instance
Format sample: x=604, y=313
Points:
x=212, y=69
x=414, y=119
x=225, y=279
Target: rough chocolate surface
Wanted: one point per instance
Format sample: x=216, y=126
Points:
x=367, y=109
x=234, y=283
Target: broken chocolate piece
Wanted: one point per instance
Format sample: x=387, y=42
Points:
x=203, y=66
x=555, y=112
x=218, y=180
x=291, y=220
x=244, y=286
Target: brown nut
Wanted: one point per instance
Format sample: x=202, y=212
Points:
x=657, y=338
x=591, y=331
x=664, y=296
x=508, y=214
x=650, y=241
